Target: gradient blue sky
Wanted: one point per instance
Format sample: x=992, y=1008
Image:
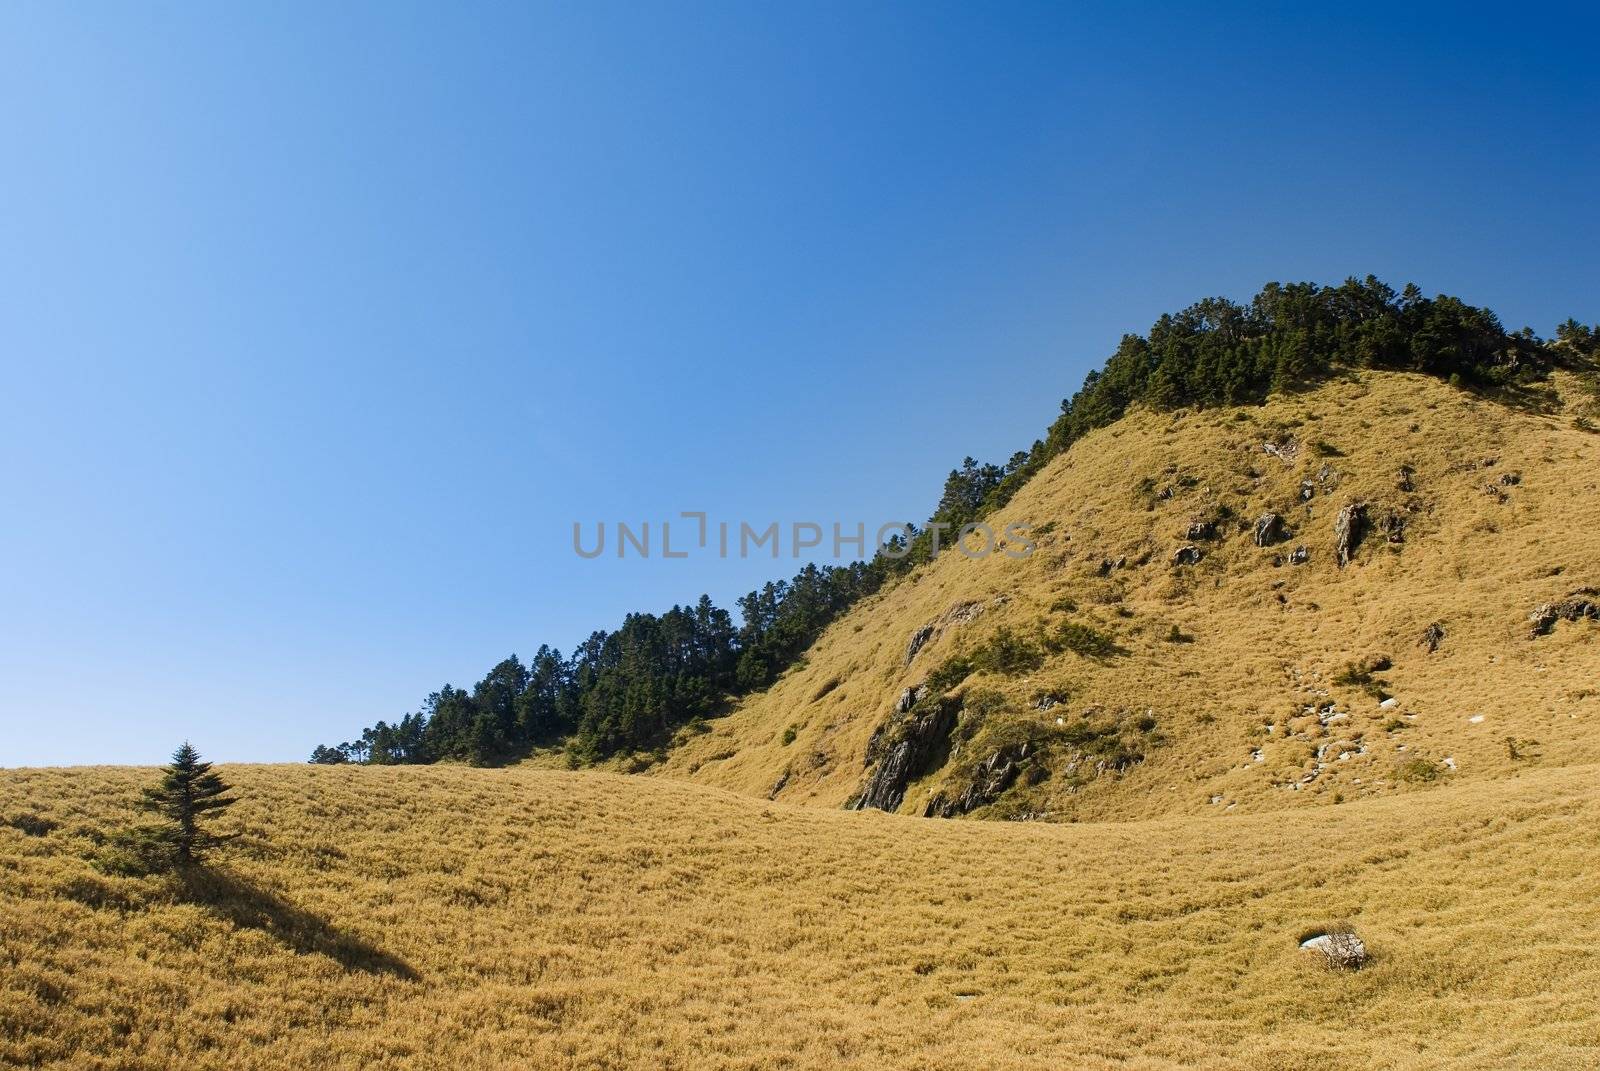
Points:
x=320, y=324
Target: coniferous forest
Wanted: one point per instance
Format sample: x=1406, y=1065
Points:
x=631, y=688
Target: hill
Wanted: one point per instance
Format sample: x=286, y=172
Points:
x=443, y=916
x=1166, y=651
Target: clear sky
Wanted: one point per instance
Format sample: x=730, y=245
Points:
x=320, y=324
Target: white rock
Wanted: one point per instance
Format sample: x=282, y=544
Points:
x=1450, y=762
x=1476, y=719
x=1389, y=704
x=1347, y=950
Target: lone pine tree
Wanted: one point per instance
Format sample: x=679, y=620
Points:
x=188, y=790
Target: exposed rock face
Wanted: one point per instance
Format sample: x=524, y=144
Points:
x=1576, y=606
x=908, y=699
x=1308, y=490
x=993, y=776
x=1188, y=555
x=1348, y=528
x=1299, y=556
x=919, y=639
x=904, y=749
x=1432, y=637
x=1200, y=529
x=1268, y=530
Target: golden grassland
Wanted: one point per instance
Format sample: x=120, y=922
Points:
x=1503, y=514
x=433, y=917
x=450, y=917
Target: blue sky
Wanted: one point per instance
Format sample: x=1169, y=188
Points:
x=321, y=324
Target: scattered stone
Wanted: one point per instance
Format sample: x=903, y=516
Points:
x=1432, y=637
x=1308, y=490
x=993, y=776
x=1403, y=482
x=1394, y=528
x=1188, y=555
x=1389, y=704
x=1476, y=719
x=1299, y=556
x=1450, y=762
x=1348, y=528
x=1268, y=530
x=1200, y=529
x=1285, y=451
x=1576, y=606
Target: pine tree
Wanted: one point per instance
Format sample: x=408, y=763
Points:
x=187, y=791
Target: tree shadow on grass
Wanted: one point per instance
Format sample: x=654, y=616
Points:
x=230, y=897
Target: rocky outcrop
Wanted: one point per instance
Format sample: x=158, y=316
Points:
x=1269, y=530
x=902, y=751
x=919, y=639
x=1188, y=555
x=1299, y=556
x=1583, y=603
x=990, y=779
x=1200, y=529
x=908, y=699
x=1348, y=528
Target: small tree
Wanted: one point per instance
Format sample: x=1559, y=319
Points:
x=188, y=790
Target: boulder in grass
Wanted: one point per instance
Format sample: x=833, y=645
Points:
x=1340, y=950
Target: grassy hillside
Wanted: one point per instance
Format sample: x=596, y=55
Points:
x=1141, y=688
x=1224, y=752
x=449, y=917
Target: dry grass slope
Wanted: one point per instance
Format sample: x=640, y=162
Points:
x=447, y=917
x=429, y=917
x=1501, y=512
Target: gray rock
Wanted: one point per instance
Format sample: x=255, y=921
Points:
x=993, y=776
x=1268, y=530
x=1432, y=637
x=919, y=639
x=906, y=747
x=1580, y=604
x=1342, y=950
x=1188, y=555
x=1348, y=528
x=1394, y=528
x=1299, y=556
x=908, y=699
